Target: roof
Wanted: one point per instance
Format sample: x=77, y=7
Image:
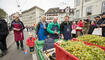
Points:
x=32, y=9
x=56, y=10
x=52, y=11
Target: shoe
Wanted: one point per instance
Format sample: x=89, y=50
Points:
x=6, y=51
x=1, y=55
x=30, y=52
x=22, y=49
x=18, y=48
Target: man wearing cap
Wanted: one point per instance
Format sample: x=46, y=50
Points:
x=101, y=23
x=97, y=18
x=18, y=28
x=93, y=24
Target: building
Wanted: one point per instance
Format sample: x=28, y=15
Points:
x=61, y=15
x=57, y=12
x=32, y=16
x=88, y=7
x=51, y=13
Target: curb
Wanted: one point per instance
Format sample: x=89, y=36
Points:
x=11, y=42
x=10, y=45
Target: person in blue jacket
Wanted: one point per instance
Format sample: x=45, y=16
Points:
x=41, y=30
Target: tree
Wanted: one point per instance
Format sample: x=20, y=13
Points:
x=2, y=13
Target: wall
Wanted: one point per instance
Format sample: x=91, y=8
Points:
x=96, y=7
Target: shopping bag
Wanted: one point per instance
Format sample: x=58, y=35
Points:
x=73, y=31
x=79, y=28
x=25, y=51
x=97, y=31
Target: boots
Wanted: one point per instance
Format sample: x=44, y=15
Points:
x=3, y=53
x=17, y=47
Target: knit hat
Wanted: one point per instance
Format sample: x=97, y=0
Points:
x=97, y=17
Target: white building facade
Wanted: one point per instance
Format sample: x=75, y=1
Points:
x=60, y=13
x=32, y=16
x=88, y=7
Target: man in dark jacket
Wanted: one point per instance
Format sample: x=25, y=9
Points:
x=97, y=18
x=66, y=28
x=93, y=26
x=101, y=23
x=3, y=34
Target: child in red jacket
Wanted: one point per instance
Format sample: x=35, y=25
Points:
x=31, y=43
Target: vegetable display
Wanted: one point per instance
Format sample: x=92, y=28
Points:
x=82, y=51
x=98, y=40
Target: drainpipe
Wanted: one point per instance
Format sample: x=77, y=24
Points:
x=82, y=9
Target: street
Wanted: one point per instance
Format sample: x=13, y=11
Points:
x=13, y=53
x=52, y=29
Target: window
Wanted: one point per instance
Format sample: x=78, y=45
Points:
x=89, y=11
x=77, y=14
x=62, y=10
x=103, y=6
x=77, y=2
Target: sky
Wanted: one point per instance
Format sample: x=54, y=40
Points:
x=10, y=6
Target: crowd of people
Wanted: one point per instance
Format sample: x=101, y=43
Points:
x=69, y=29
x=30, y=28
x=66, y=30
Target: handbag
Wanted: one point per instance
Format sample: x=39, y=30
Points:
x=79, y=28
x=97, y=31
x=73, y=31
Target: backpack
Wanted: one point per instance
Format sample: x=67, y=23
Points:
x=48, y=44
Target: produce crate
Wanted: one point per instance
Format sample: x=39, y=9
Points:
x=62, y=54
x=39, y=47
x=90, y=44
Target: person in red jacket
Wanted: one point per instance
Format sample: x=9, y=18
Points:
x=79, y=28
x=31, y=43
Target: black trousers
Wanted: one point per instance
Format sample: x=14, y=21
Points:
x=3, y=42
x=73, y=35
x=31, y=49
x=19, y=43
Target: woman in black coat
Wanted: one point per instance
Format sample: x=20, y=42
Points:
x=3, y=34
x=92, y=27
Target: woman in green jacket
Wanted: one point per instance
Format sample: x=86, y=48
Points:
x=54, y=29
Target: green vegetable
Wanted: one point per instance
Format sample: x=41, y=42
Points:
x=98, y=40
x=82, y=51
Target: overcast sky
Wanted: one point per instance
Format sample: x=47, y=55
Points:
x=10, y=6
